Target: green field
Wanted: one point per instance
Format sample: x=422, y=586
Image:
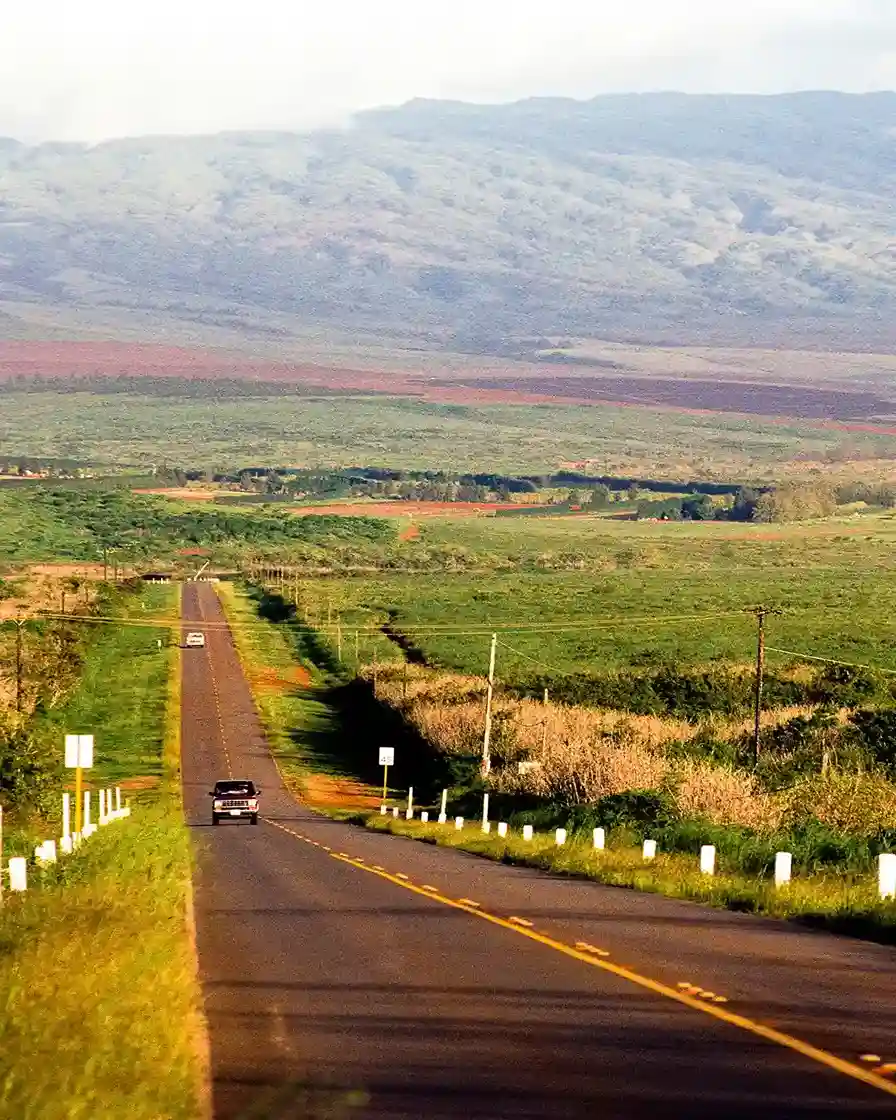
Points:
x=634, y=593
x=121, y=696
x=220, y=433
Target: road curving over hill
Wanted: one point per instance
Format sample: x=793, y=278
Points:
x=348, y=973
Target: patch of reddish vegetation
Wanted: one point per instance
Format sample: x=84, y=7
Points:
x=410, y=534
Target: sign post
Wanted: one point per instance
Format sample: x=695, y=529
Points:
x=387, y=759
x=78, y=757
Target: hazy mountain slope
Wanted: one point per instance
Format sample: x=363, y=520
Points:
x=664, y=216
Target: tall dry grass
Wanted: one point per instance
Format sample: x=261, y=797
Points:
x=577, y=755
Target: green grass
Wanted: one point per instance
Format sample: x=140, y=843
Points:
x=833, y=581
x=268, y=653
x=99, y=1014
x=101, y=1006
x=121, y=696
x=140, y=429
x=845, y=904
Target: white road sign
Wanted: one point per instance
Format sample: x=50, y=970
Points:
x=79, y=751
x=387, y=756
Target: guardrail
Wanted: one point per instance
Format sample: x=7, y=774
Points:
x=109, y=809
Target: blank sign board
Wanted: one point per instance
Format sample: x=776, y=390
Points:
x=79, y=751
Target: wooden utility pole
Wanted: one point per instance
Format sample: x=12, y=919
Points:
x=487, y=736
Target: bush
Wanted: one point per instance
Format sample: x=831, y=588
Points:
x=30, y=770
x=875, y=731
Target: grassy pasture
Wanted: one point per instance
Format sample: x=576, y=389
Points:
x=649, y=592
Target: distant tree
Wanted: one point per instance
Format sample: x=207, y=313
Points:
x=600, y=497
x=698, y=508
x=744, y=505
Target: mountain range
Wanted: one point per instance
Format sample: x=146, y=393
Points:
x=663, y=217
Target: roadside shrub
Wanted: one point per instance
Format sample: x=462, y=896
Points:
x=635, y=808
x=876, y=732
x=860, y=804
x=30, y=770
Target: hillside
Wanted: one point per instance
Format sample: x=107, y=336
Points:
x=659, y=217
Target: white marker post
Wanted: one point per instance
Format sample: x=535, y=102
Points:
x=443, y=811
x=424, y=817
x=649, y=849
x=383, y=810
x=18, y=874
x=118, y=799
x=708, y=859
x=410, y=811
x=395, y=811
x=79, y=757
x=600, y=839
x=886, y=875
x=783, y=868
x=458, y=823
x=560, y=837
x=66, y=815
x=485, y=813
x=387, y=759
x=528, y=831
x=502, y=828
x=101, y=817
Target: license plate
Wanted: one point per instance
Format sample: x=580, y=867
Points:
x=236, y=812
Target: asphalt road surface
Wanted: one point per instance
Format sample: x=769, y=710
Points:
x=351, y=974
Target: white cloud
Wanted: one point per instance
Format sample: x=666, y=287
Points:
x=101, y=68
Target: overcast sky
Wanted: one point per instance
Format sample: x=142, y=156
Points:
x=95, y=69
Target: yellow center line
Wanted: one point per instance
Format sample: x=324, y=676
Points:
x=770, y=1034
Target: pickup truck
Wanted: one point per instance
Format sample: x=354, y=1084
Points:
x=236, y=799
x=195, y=639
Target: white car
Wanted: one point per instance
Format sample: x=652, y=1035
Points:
x=195, y=640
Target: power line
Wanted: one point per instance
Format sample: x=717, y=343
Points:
x=831, y=660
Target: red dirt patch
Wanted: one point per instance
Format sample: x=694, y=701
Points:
x=844, y=409
x=182, y=493
x=409, y=509
x=410, y=534
x=279, y=680
x=341, y=793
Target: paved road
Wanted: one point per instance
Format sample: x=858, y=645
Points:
x=343, y=976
